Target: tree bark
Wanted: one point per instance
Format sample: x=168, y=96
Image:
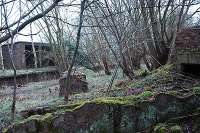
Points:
x=76, y=50
x=147, y=33
x=106, y=67
x=1, y=58
x=33, y=48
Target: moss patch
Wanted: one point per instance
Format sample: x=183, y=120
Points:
x=176, y=129
x=196, y=90
x=33, y=117
x=128, y=100
x=160, y=128
x=46, y=118
x=142, y=73
x=161, y=75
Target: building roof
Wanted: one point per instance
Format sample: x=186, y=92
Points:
x=30, y=43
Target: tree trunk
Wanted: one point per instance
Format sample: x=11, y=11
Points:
x=33, y=48
x=14, y=79
x=126, y=70
x=76, y=50
x=147, y=34
x=160, y=47
x=106, y=67
x=1, y=58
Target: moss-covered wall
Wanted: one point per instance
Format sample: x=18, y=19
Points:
x=125, y=116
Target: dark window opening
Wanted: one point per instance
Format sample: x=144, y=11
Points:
x=45, y=48
x=29, y=56
x=48, y=62
x=191, y=69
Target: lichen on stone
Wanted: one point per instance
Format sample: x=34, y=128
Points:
x=47, y=117
x=128, y=100
x=196, y=90
x=176, y=129
x=33, y=117
x=160, y=128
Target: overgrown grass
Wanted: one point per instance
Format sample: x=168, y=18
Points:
x=158, y=76
x=38, y=94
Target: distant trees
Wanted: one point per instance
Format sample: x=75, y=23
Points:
x=56, y=36
x=119, y=32
x=24, y=19
x=148, y=26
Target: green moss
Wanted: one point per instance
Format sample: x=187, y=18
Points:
x=160, y=128
x=68, y=107
x=146, y=94
x=163, y=69
x=163, y=130
x=173, y=93
x=161, y=75
x=46, y=118
x=128, y=100
x=147, y=88
x=5, y=130
x=80, y=105
x=141, y=73
x=196, y=90
x=176, y=129
x=45, y=121
x=33, y=117
x=71, y=106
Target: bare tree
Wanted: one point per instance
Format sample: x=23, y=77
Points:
x=21, y=25
x=1, y=58
x=76, y=49
x=33, y=48
x=11, y=54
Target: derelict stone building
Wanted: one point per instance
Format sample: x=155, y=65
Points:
x=188, y=51
x=23, y=55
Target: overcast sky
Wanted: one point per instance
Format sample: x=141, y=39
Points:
x=70, y=14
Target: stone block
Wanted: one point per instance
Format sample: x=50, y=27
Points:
x=78, y=84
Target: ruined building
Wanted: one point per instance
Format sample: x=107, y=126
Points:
x=188, y=51
x=24, y=57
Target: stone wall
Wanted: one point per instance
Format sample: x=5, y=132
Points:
x=78, y=84
x=20, y=58
x=27, y=78
x=110, y=116
x=188, y=47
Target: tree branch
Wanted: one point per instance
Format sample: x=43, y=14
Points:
x=24, y=24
